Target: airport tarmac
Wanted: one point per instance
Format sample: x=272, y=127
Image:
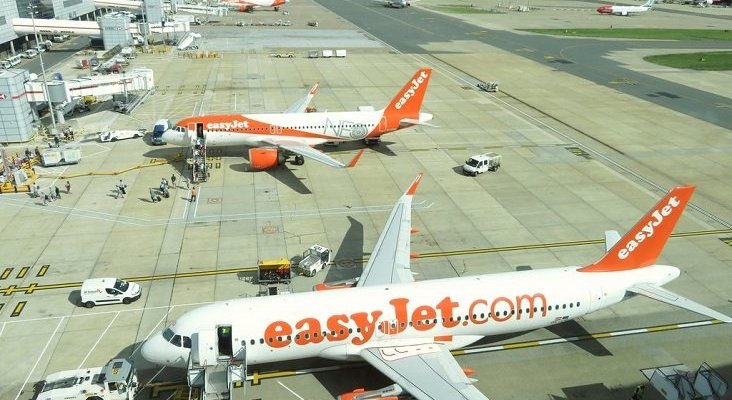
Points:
x=568, y=174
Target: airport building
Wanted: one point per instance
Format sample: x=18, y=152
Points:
x=12, y=42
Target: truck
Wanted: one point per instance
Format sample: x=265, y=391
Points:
x=160, y=127
x=68, y=154
x=113, y=136
x=314, y=259
x=481, y=163
x=115, y=381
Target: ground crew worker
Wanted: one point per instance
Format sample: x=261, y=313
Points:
x=193, y=194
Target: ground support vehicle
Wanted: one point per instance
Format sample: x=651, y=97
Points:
x=314, y=259
x=481, y=163
x=278, y=270
x=113, y=136
x=115, y=381
x=98, y=291
x=68, y=154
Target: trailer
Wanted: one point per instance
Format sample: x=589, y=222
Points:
x=115, y=381
x=278, y=270
x=68, y=154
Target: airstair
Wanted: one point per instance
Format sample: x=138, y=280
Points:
x=678, y=382
x=199, y=165
x=214, y=368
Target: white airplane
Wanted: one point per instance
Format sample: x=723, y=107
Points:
x=273, y=137
x=395, y=3
x=625, y=10
x=406, y=328
x=250, y=5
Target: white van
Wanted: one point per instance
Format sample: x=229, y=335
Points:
x=108, y=291
x=14, y=60
x=30, y=53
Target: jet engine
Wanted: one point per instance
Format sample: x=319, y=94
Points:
x=265, y=158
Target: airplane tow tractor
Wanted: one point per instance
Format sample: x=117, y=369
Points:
x=115, y=381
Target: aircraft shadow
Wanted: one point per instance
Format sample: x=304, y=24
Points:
x=345, y=265
x=573, y=328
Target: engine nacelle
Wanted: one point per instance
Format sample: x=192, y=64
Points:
x=265, y=158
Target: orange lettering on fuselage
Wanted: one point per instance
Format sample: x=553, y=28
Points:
x=423, y=317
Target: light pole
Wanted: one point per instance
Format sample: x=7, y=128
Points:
x=32, y=8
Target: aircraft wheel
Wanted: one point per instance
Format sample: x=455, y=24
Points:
x=114, y=139
x=89, y=304
x=299, y=160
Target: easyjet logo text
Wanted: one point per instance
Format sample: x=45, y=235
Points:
x=227, y=126
x=402, y=316
x=647, y=230
x=411, y=90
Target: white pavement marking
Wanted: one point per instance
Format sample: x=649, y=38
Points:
x=150, y=381
x=2, y=330
x=195, y=209
x=99, y=339
x=290, y=390
x=39, y=359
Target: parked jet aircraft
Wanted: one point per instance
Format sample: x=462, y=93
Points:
x=406, y=328
x=395, y=3
x=272, y=137
x=250, y=5
x=625, y=10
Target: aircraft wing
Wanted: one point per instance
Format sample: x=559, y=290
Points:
x=300, y=105
x=427, y=371
x=306, y=151
x=389, y=261
x=666, y=296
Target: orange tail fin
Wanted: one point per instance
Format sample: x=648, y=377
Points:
x=642, y=245
x=408, y=100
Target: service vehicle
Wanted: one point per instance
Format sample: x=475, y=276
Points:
x=68, y=154
x=283, y=55
x=160, y=127
x=278, y=270
x=115, y=381
x=98, y=291
x=30, y=53
x=481, y=163
x=314, y=259
x=12, y=61
x=488, y=86
x=113, y=136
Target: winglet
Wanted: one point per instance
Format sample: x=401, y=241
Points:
x=413, y=187
x=355, y=159
x=642, y=245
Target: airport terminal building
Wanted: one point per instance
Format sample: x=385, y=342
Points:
x=12, y=42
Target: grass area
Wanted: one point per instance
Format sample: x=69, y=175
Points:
x=712, y=61
x=458, y=9
x=633, y=33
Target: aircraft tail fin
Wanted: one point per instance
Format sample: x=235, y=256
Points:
x=408, y=101
x=643, y=243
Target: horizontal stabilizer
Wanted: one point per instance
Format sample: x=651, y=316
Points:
x=412, y=121
x=658, y=293
x=611, y=238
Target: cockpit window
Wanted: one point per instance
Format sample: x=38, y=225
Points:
x=168, y=334
x=186, y=342
x=176, y=341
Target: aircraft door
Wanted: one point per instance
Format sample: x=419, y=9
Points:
x=224, y=338
x=199, y=130
x=596, y=297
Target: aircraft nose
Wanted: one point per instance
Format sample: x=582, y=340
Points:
x=154, y=350
x=174, y=137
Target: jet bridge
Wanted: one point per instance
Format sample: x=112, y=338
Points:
x=217, y=365
x=139, y=79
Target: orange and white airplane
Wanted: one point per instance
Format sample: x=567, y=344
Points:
x=250, y=5
x=274, y=137
x=625, y=10
x=406, y=328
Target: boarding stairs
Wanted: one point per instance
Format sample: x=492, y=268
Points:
x=678, y=382
x=218, y=374
x=200, y=164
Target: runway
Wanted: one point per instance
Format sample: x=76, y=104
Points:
x=410, y=30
